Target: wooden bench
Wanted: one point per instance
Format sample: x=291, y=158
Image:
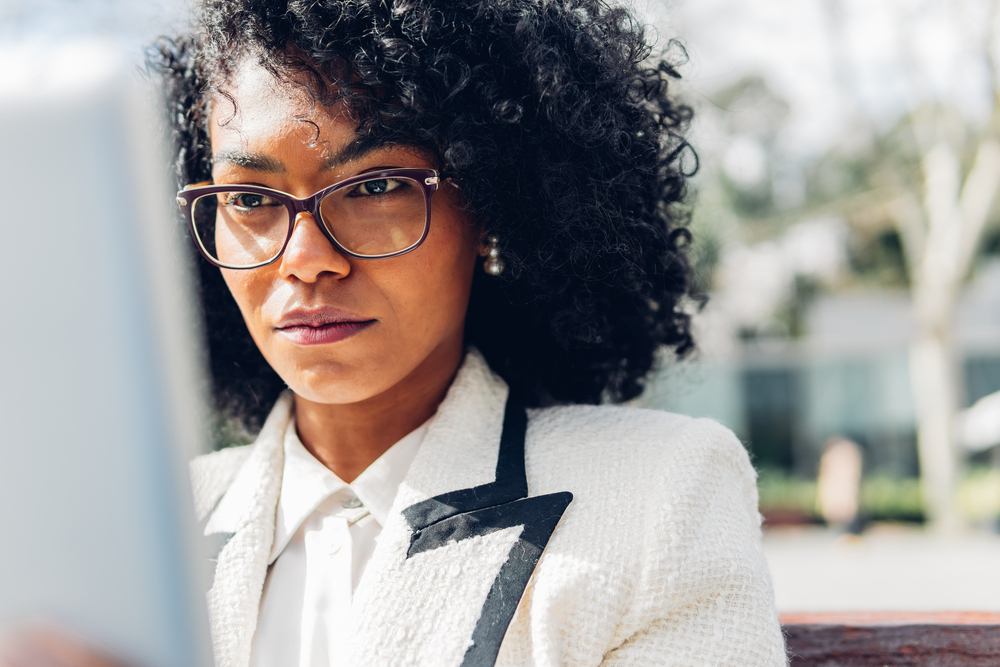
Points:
x=893, y=639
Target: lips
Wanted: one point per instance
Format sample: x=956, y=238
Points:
x=320, y=326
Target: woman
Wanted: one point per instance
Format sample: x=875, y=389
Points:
x=434, y=235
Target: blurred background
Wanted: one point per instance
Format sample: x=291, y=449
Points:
x=847, y=234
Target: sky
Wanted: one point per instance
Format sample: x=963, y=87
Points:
x=833, y=59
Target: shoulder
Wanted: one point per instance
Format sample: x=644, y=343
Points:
x=637, y=442
x=663, y=522
x=212, y=474
x=689, y=478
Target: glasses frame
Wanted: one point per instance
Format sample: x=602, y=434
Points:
x=427, y=179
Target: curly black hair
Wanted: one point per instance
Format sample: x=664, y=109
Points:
x=554, y=121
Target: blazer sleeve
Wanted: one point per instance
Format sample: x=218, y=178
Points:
x=709, y=598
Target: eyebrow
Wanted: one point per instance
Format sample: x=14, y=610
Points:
x=354, y=150
x=254, y=161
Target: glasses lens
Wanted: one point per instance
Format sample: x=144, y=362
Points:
x=240, y=228
x=379, y=216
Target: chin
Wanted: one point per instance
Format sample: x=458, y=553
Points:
x=335, y=386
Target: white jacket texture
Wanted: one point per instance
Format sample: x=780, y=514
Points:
x=656, y=561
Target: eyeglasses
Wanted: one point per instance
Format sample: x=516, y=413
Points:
x=374, y=215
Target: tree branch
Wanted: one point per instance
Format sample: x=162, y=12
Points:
x=912, y=227
x=977, y=200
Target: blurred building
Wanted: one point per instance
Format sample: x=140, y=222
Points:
x=846, y=374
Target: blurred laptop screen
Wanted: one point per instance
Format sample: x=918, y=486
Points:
x=99, y=389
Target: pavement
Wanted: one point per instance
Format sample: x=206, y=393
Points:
x=888, y=568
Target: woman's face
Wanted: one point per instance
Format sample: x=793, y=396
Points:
x=338, y=329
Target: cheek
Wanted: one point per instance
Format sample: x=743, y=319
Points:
x=248, y=290
x=449, y=264
x=429, y=289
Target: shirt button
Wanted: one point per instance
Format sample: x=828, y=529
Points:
x=352, y=503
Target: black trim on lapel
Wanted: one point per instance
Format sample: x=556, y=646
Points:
x=510, y=482
x=539, y=516
x=485, y=509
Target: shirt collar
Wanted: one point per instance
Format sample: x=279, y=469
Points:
x=306, y=483
x=376, y=487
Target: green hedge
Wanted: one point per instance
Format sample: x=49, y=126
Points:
x=883, y=498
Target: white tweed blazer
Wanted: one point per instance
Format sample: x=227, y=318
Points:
x=656, y=560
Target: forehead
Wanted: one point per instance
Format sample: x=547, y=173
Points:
x=254, y=104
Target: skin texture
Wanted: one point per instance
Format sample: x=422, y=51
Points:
x=358, y=396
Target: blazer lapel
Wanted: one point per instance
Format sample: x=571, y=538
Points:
x=462, y=540
x=241, y=529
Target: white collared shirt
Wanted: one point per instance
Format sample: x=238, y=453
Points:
x=325, y=533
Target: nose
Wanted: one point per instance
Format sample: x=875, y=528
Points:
x=309, y=253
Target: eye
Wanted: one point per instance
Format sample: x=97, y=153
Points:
x=248, y=201
x=379, y=186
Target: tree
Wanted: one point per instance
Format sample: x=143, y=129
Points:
x=940, y=211
x=941, y=232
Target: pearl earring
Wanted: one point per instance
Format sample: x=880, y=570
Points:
x=493, y=265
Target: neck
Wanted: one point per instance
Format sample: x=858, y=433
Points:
x=348, y=438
